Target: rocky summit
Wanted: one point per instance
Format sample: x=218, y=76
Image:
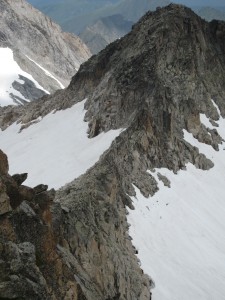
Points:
x=39, y=48
x=158, y=84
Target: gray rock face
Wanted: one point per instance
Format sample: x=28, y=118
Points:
x=28, y=88
x=35, y=39
x=154, y=82
x=49, y=251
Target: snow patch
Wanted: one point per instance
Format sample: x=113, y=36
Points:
x=205, y=121
x=56, y=150
x=179, y=232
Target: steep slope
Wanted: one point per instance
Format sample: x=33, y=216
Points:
x=180, y=235
x=48, y=251
x=39, y=54
x=157, y=84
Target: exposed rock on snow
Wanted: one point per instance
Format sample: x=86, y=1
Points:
x=16, y=86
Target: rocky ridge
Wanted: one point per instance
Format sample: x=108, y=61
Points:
x=39, y=46
x=49, y=251
x=155, y=82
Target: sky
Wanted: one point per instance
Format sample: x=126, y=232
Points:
x=201, y=2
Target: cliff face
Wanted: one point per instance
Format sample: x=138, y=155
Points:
x=75, y=250
x=155, y=83
x=39, y=46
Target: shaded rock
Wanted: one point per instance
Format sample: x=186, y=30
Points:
x=21, y=278
x=20, y=178
x=164, y=179
x=40, y=188
x=4, y=166
x=5, y=206
x=28, y=89
x=26, y=193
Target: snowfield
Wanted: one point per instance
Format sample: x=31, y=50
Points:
x=56, y=150
x=180, y=231
x=9, y=72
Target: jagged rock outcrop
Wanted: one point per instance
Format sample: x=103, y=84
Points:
x=48, y=251
x=155, y=82
x=37, y=43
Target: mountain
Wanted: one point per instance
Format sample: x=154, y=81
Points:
x=38, y=58
x=199, y=3
x=147, y=117
x=117, y=22
x=131, y=11
x=210, y=13
x=98, y=22
x=76, y=10
x=104, y=31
